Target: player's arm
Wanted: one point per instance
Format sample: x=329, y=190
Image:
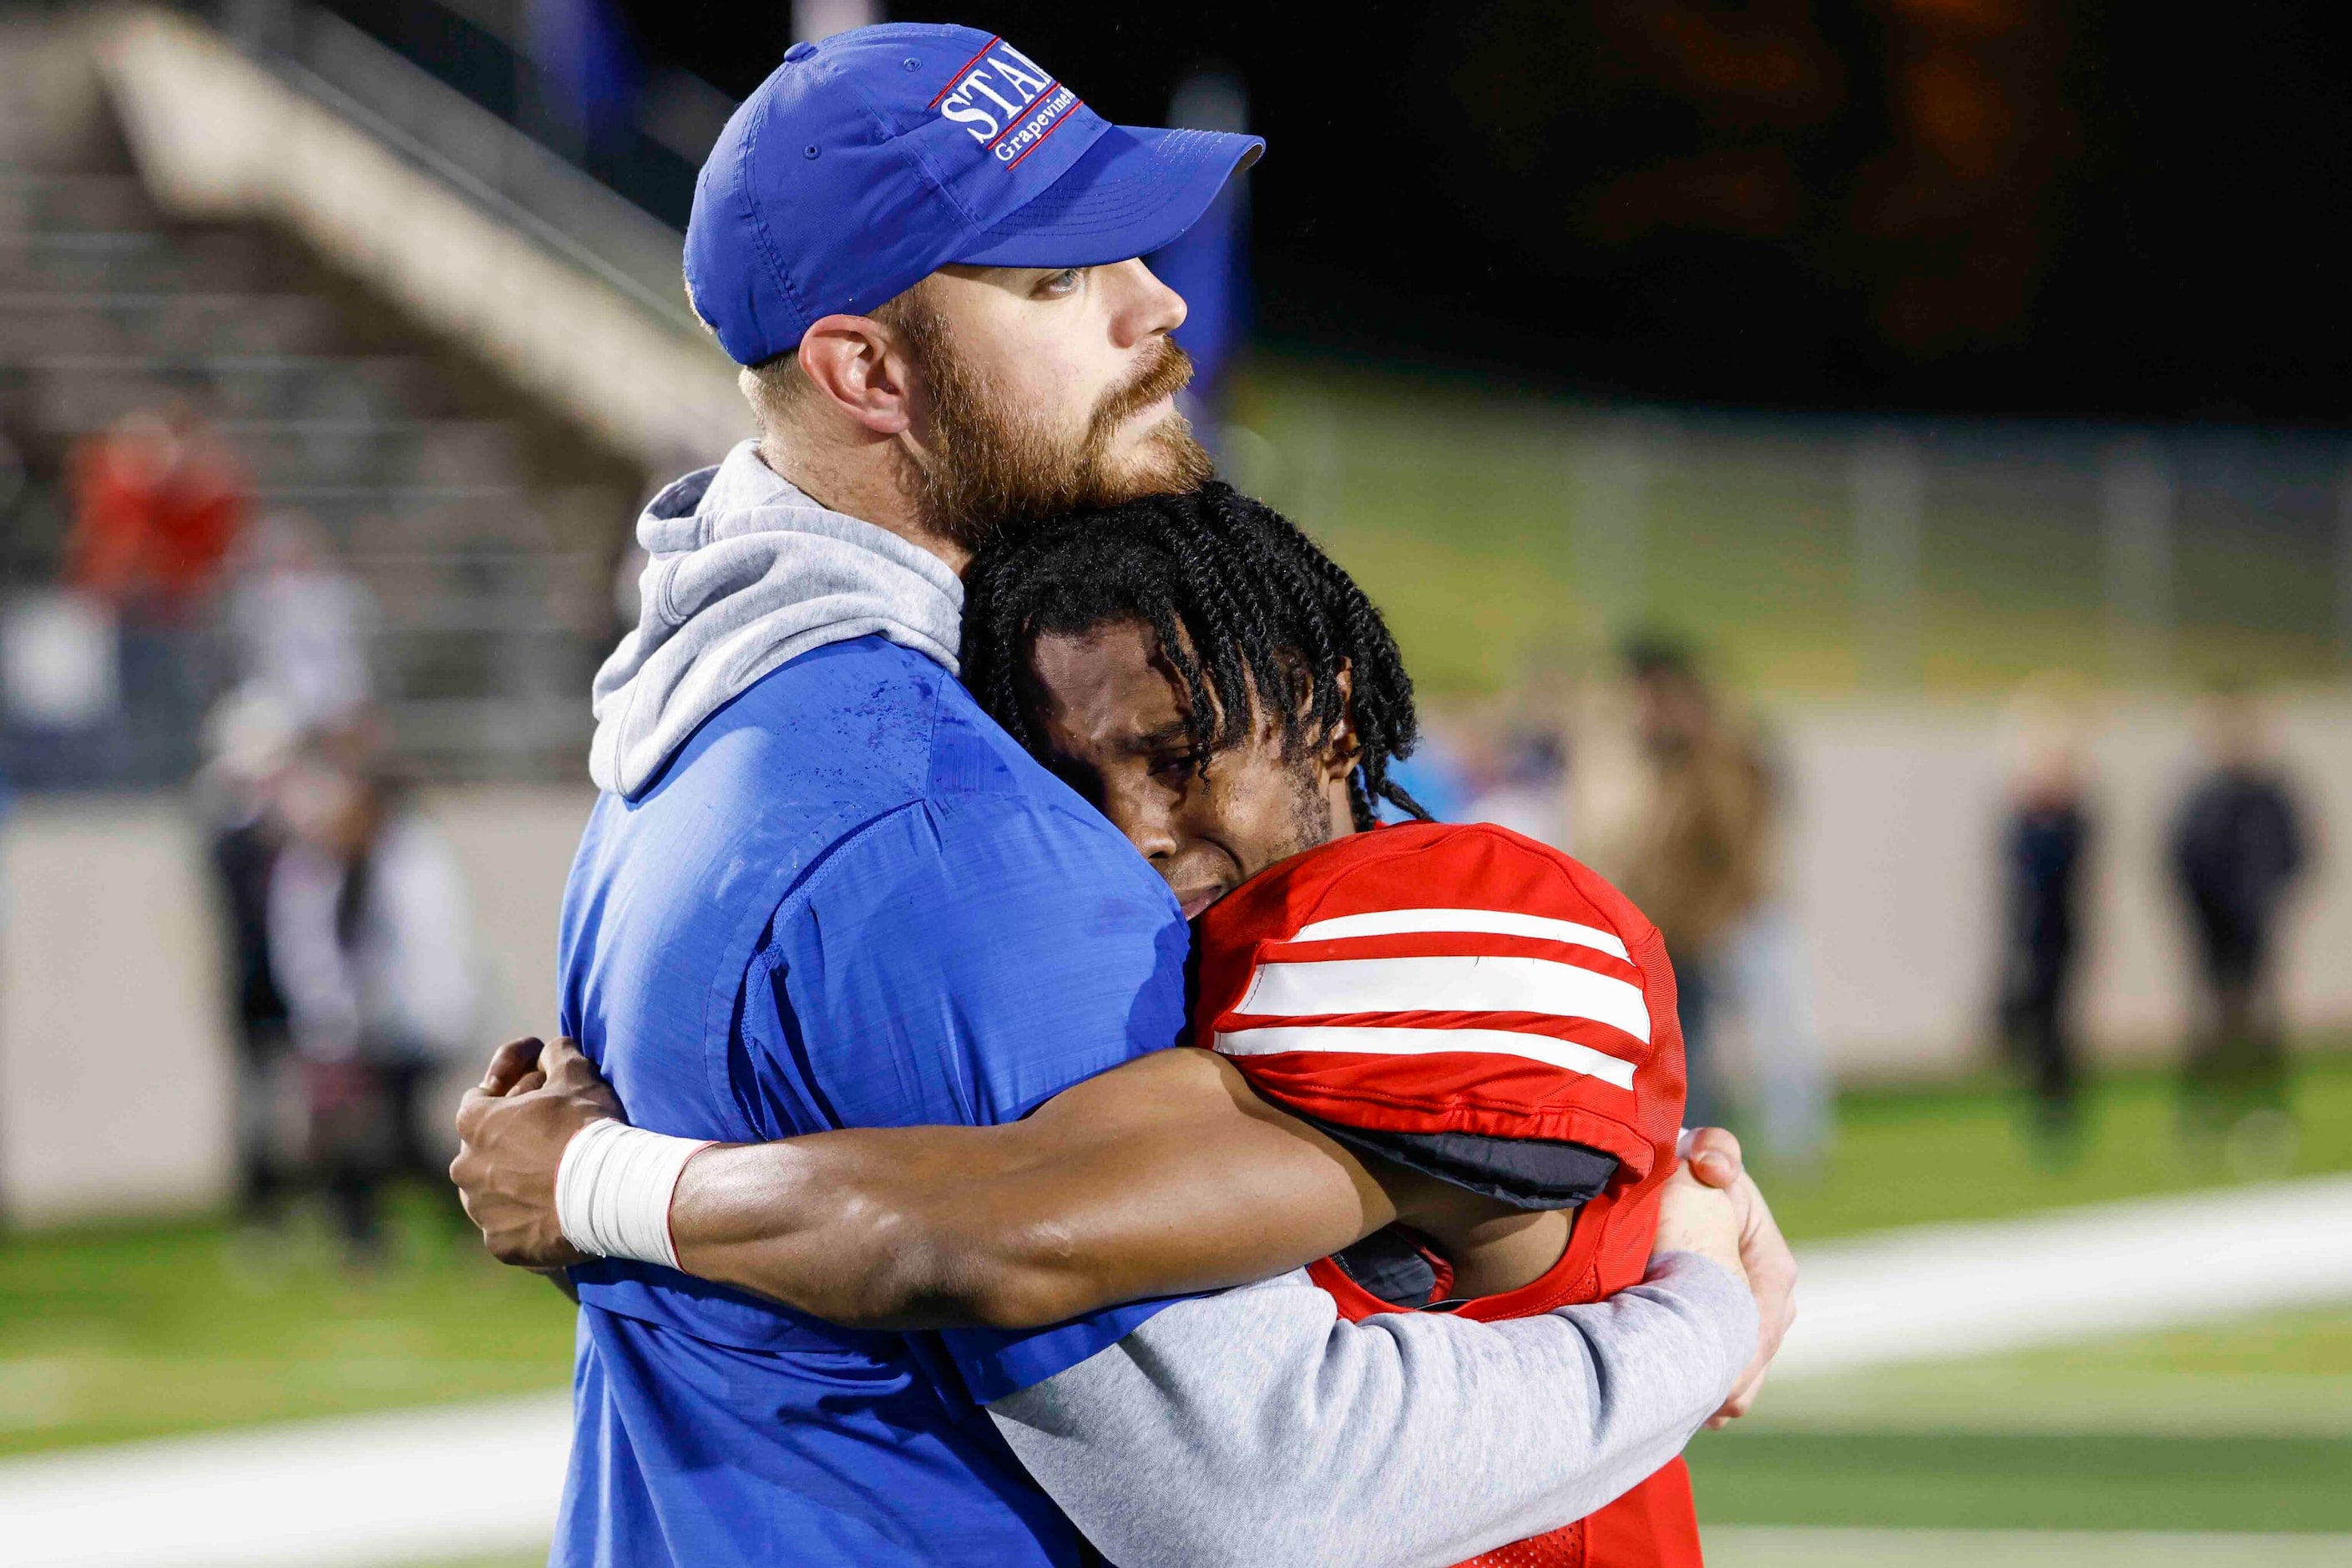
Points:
x=1162, y=1177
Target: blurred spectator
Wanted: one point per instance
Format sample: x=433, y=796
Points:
x=300, y=622
x=1528, y=792
x=1686, y=831
x=1433, y=775
x=1765, y=967
x=248, y=739
x=157, y=502
x=2238, y=846
x=1516, y=771
x=370, y=944
x=2044, y=850
x=61, y=661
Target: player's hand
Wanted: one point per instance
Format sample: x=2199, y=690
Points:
x=1695, y=1217
x=514, y=1066
x=1714, y=1157
x=1713, y=1152
x=511, y=1132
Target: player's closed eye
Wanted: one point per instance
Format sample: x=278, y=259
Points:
x=1179, y=768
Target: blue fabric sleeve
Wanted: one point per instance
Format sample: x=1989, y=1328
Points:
x=962, y=961
x=996, y=1363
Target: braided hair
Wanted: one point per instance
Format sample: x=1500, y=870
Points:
x=1250, y=614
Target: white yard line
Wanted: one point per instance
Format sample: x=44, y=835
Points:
x=1948, y=1291
x=475, y=1479
x=409, y=1487
x=1791, y=1546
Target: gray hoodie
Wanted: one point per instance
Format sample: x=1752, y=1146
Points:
x=1252, y=1426
x=745, y=573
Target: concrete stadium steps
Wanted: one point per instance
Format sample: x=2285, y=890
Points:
x=326, y=450
x=134, y=259
x=484, y=524
x=58, y=323
x=234, y=386
x=304, y=453
x=430, y=731
x=418, y=597
x=34, y=200
x=52, y=118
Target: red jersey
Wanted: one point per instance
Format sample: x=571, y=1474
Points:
x=152, y=517
x=1426, y=980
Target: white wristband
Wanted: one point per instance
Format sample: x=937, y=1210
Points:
x=612, y=1189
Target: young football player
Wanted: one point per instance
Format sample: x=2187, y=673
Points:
x=1461, y=1000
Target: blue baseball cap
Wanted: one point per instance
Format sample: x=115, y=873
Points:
x=868, y=161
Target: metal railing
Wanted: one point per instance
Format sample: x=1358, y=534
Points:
x=427, y=84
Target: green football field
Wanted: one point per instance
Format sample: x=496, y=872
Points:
x=108, y=1333
x=1490, y=523
x=2239, y=1427
x=1913, y=1157
x=111, y=1333
x=2244, y=1427
x=2243, y=1430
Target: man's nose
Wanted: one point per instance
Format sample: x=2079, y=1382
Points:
x=1145, y=307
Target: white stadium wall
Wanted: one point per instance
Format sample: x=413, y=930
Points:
x=115, y=1064
x=115, y=1075
x=1895, y=881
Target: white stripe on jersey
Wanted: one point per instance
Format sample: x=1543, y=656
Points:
x=1496, y=922
x=1564, y=1053
x=1474, y=984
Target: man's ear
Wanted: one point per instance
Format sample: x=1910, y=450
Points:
x=853, y=364
x=1342, y=747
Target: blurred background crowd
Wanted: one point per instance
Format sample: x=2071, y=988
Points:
x=1871, y=476
x=1675, y=788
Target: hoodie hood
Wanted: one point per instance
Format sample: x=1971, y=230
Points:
x=746, y=572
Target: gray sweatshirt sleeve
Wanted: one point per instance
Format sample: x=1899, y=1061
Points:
x=1256, y=1427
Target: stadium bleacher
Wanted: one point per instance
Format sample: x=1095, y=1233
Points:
x=485, y=524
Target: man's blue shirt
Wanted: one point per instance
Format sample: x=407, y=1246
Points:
x=851, y=901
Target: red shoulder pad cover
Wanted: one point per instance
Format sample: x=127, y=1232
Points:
x=1437, y=978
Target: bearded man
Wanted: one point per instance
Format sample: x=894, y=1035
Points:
x=821, y=889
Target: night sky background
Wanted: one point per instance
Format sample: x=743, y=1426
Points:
x=2015, y=207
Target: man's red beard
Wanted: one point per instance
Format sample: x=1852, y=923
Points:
x=990, y=467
